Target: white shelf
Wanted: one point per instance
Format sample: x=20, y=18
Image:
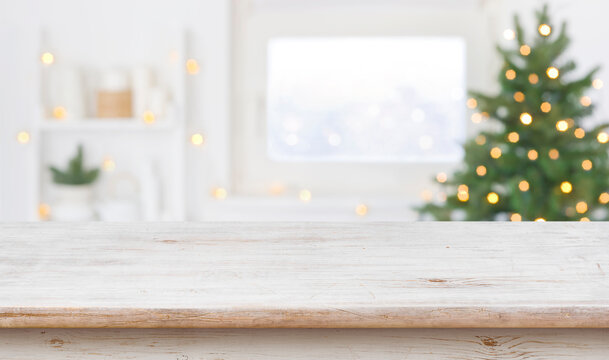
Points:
x=105, y=124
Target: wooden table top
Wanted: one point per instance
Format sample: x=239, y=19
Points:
x=301, y=275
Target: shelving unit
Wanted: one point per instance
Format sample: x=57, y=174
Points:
x=143, y=155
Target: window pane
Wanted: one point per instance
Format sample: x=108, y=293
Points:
x=366, y=99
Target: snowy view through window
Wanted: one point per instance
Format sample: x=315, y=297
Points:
x=387, y=99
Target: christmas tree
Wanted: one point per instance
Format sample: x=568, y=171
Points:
x=538, y=161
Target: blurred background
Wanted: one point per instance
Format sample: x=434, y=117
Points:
x=251, y=110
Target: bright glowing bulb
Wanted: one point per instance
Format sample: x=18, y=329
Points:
x=44, y=211
x=463, y=196
x=526, y=118
x=585, y=101
x=472, y=103
x=495, y=153
x=581, y=207
x=509, y=34
x=519, y=96
x=579, y=133
x=510, y=74
x=587, y=165
x=533, y=79
x=480, y=139
x=476, y=118
x=566, y=187
x=544, y=29
x=59, y=112
x=562, y=125
x=553, y=154
x=513, y=137
x=584, y=219
x=441, y=177
x=532, y=154
x=545, y=107
x=463, y=188
x=219, y=193
x=108, y=164
x=47, y=58
x=481, y=170
x=361, y=210
x=516, y=217
x=603, y=198
x=192, y=66
x=492, y=198
x=525, y=50
x=552, y=72
x=523, y=185
x=540, y=219
x=23, y=137
x=597, y=84
x=304, y=195
x=197, y=139
x=148, y=117
x=602, y=137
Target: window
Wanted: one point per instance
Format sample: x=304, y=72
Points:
x=374, y=99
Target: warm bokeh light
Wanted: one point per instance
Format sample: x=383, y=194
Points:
x=44, y=211
x=587, y=165
x=545, y=107
x=552, y=72
x=361, y=209
x=472, y=103
x=525, y=50
x=526, y=118
x=603, y=198
x=441, y=177
x=532, y=154
x=510, y=74
x=579, y=133
x=492, y=198
x=597, y=84
x=533, y=79
x=495, y=153
x=23, y=137
x=59, y=112
x=509, y=34
x=553, y=154
x=513, y=137
x=519, y=96
x=219, y=193
x=426, y=195
x=148, y=117
x=463, y=188
x=481, y=170
x=192, y=66
x=463, y=196
x=197, y=139
x=584, y=219
x=108, y=164
x=523, y=185
x=476, y=118
x=585, y=101
x=581, y=207
x=304, y=195
x=566, y=187
x=562, y=125
x=480, y=139
x=516, y=217
x=544, y=29
x=47, y=58
x=276, y=188
x=602, y=137
x=540, y=219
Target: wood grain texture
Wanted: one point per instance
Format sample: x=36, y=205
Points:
x=304, y=275
x=303, y=344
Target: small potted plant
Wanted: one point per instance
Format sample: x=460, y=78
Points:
x=74, y=190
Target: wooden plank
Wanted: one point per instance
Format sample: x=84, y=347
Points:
x=244, y=344
x=304, y=275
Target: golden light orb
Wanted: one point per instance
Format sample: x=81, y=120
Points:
x=585, y=101
x=523, y=185
x=148, y=117
x=197, y=139
x=59, y=112
x=441, y=177
x=603, y=198
x=587, y=165
x=23, y=137
x=462, y=188
x=552, y=72
x=471, y=103
x=44, y=211
x=476, y=118
x=584, y=219
x=545, y=107
x=513, y=137
x=463, y=196
x=108, y=164
x=219, y=193
x=540, y=219
x=495, y=152
x=532, y=155
x=579, y=133
x=481, y=170
x=509, y=34
x=519, y=96
x=516, y=217
x=597, y=84
x=533, y=79
x=47, y=58
x=510, y=74
x=602, y=137
x=553, y=154
x=305, y=195
x=192, y=66
x=525, y=50
x=361, y=209
x=480, y=139
x=526, y=118
x=566, y=187
x=492, y=198
x=544, y=29
x=562, y=125
x=581, y=207
x=426, y=195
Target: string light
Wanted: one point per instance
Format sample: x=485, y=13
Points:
x=219, y=193
x=552, y=72
x=587, y=165
x=579, y=133
x=476, y=118
x=533, y=79
x=525, y=50
x=516, y=217
x=585, y=101
x=509, y=34
x=519, y=96
x=532, y=154
x=544, y=29
x=44, y=211
x=23, y=137
x=108, y=164
x=492, y=198
x=523, y=185
x=526, y=118
x=472, y=103
x=597, y=84
x=361, y=210
x=513, y=137
x=602, y=137
x=562, y=125
x=540, y=219
x=441, y=177
x=148, y=117
x=510, y=74
x=581, y=207
x=566, y=187
x=584, y=219
x=304, y=195
x=47, y=58
x=463, y=188
x=495, y=152
x=59, y=112
x=192, y=66
x=481, y=170
x=603, y=198
x=553, y=154
x=463, y=193
x=197, y=139
x=545, y=107
x=480, y=139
